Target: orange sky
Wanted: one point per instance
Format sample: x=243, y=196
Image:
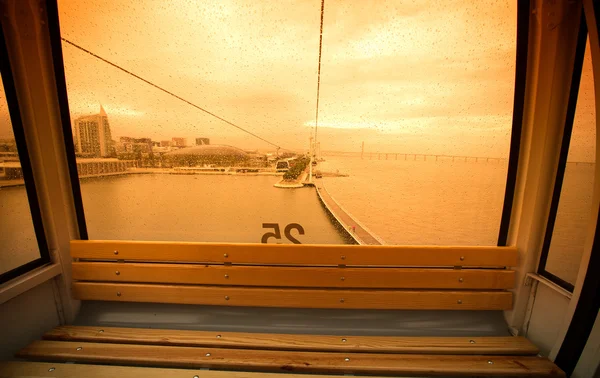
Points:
x=406, y=76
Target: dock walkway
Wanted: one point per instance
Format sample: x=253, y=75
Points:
x=358, y=232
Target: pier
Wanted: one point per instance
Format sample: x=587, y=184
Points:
x=98, y=167
x=354, y=229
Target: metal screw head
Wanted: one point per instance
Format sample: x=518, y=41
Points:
x=227, y=297
x=462, y=258
x=490, y=362
x=116, y=252
x=460, y=279
x=101, y=331
x=51, y=369
x=472, y=341
x=227, y=276
x=225, y=255
x=79, y=348
x=117, y=273
x=346, y=359
x=342, y=300
x=343, y=278
x=218, y=336
x=118, y=293
x=459, y=301
x=344, y=340
x=207, y=354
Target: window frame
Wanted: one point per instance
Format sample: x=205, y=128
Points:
x=562, y=160
x=65, y=113
x=522, y=48
x=26, y=168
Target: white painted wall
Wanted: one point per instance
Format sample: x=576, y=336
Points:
x=547, y=316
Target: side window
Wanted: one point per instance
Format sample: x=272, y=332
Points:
x=22, y=239
x=571, y=212
x=197, y=121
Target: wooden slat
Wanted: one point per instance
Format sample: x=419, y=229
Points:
x=295, y=254
x=501, y=345
x=14, y=369
x=319, y=362
x=398, y=278
x=298, y=298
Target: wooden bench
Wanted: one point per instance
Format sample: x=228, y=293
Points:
x=323, y=276
x=387, y=355
x=330, y=277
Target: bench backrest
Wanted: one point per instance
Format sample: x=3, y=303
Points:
x=300, y=276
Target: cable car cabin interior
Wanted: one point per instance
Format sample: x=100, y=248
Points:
x=451, y=229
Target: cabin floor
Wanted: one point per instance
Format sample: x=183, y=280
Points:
x=293, y=321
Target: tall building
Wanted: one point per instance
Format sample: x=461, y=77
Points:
x=92, y=135
x=202, y=141
x=179, y=142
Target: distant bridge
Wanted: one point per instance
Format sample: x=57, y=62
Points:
x=425, y=157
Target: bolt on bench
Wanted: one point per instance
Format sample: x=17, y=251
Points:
x=317, y=277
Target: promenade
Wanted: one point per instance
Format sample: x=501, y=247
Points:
x=356, y=230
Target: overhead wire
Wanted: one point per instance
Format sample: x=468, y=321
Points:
x=171, y=93
x=319, y=69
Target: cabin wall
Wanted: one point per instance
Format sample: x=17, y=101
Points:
x=547, y=317
x=26, y=317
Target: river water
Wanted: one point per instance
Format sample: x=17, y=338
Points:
x=422, y=202
x=201, y=208
x=404, y=202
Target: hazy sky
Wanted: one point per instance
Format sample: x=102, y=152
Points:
x=402, y=76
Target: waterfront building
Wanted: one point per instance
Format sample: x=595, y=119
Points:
x=92, y=136
x=179, y=142
x=217, y=155
x=103, y=167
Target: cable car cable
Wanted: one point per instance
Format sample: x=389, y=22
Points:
x=170, y=93
x=319, y=69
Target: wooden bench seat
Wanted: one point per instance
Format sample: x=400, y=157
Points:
x=61, y=370
x=296, y=276
x=408, y=356
x=506, y=345
x=317, y=277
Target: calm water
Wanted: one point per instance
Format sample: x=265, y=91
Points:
x=422, y=202
x=454, y=203
x=18, y=244
x=402, y=202
x=201, y=208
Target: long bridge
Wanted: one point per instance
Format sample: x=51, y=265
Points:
x=370, y=155
x=425, y=157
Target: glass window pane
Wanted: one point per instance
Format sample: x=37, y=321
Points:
x=413, y=134
x=575, y=204
x=17, y=235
